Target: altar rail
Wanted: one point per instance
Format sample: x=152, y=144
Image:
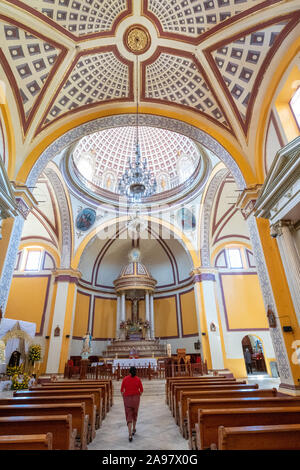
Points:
x=106, y=371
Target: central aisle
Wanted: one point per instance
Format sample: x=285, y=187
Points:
x=156, y=428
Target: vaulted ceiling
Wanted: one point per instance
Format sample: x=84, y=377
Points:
x=214, y=59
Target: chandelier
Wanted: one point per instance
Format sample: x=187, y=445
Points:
x=137, y=182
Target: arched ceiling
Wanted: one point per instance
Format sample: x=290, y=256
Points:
x=66, y=58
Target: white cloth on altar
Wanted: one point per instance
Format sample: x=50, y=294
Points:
x=139, y=362
x=6, y=325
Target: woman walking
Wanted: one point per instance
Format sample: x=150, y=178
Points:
x=131, y=389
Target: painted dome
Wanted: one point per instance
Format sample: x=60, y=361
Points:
x=103, y=157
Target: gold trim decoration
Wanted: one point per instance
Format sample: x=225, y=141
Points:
x=137, y=39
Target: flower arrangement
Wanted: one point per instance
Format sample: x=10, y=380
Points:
x=122, y=325
x=146, y=325
x=20, y=381
x=14, y=370
x=34, y=353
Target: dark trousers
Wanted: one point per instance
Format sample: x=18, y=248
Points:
x=249, y=367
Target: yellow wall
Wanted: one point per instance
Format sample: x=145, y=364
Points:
x=243, y=301
x=104, y=318
x=188, y=313
x=81, y=319
x=165, y=317
x=282, y=104
x=22, y=304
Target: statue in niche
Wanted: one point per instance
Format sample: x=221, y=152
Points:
x=14, y=360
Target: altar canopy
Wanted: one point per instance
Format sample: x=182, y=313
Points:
x=9, y=327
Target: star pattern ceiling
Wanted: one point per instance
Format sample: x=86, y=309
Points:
x=72, y=57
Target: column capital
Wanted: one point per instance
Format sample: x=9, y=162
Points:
x=276, y=230
x=67, y=275
x=24, y=198
x=202, y=273
x=247, y=199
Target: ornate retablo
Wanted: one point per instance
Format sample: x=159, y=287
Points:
x=137, y=39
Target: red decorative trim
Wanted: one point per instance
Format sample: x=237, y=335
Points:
x=13, y=83
x=130, y=96
x=239, y=273
x=48, y=276
x=67, y=33
x=294, y=19
x=89, y=315
x=181, y=320
x=177, y=315
x=93, y=317
x=192, y=57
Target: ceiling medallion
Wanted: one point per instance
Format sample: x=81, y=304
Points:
x=137, y=39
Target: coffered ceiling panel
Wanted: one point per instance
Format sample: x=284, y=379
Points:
x=192, y=18
x=240, y=64
x=80, y=18
x=180, y=80
x=29, y=61
x=94, y=79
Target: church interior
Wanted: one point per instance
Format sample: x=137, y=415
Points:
x=150, y=216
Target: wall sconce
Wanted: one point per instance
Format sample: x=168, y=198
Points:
x=67, y=336
x=47, y=337
x=287, y=329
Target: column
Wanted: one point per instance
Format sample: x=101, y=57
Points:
x=207, y=277
x=152, y=328
x=12, y=228
x=147, y=308
x=277, y=297
x=63, y=318
x=123, y=307
x=283, y=232
x=118, y=321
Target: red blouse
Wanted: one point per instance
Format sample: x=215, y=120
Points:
x=131, y=386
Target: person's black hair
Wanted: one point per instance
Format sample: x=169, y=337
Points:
x=132, y=371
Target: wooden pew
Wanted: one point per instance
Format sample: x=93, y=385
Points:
x=106, y=384
x=198, y=395
x=76, y=410
x=176, y=388
x=26, y=442
x=63, y=434
x=210, y=420
x=195, y=383
x=170, y=380
x=88, y=391
x=88, y=400
x=277, y=437
x=227, y=386
x=194, y=409
x=105, y=387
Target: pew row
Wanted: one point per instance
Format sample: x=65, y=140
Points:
x=62, y=392
x=26, y=442
x=209, y=421
x=83, y=382
x=181, y=380
x=63, y=434
x=105, y=386
x=76, y=410
x=88, y=400
x=178, y=388
x=215, y=394
x=277, y=437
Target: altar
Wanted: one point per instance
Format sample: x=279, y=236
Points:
x=139, y=362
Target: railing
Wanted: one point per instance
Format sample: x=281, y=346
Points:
x=106, y=371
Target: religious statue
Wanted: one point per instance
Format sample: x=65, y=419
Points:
x=169, y=350
x=86, y=347
x=14, y=360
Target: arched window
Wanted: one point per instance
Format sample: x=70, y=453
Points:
x=295, y=106
x=185, y=167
